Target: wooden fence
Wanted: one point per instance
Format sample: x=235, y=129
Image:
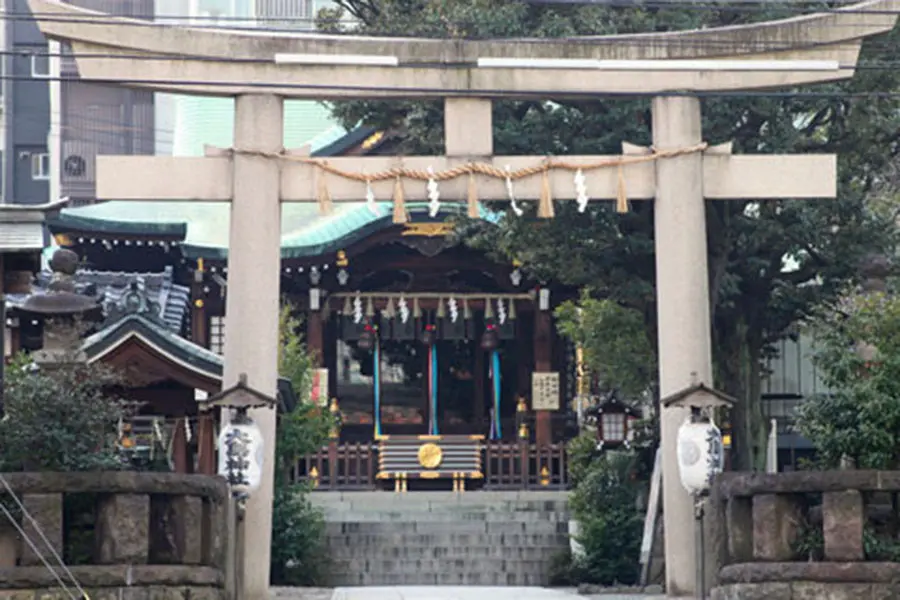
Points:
x=507, y=466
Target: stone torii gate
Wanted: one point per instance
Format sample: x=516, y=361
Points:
x=261, y=69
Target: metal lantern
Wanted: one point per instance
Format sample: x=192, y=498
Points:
x=700, y=455
x=429, y=334
x=490, y=338
x=241, y=455
x=367, y=338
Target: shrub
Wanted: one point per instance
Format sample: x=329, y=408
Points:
x=63, y=418
x=605, y=502
x=299, y=555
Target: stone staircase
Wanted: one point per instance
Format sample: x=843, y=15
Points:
x=434, y=538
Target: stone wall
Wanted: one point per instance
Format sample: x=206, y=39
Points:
x=761, y=517
x=155, y=535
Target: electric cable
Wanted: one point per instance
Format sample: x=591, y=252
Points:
x=43, y=537
x=34, y=549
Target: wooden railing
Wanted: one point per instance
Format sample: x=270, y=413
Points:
x=507, y=466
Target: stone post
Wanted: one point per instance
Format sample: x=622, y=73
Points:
x=683, y=312
x=843, y=520
x=251, y=309
x=47, y=512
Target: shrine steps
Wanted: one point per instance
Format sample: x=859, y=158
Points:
x=432, y=538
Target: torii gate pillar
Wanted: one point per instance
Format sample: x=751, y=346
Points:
x=682, y=300
x=251, y=303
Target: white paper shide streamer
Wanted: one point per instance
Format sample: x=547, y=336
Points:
x=370, y=200
x=581, y=195
x=403, y=309
x=434, y=195
x=357, y=310
x=511, y=193
x=453, y=308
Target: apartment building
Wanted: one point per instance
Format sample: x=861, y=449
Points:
x=25, y=119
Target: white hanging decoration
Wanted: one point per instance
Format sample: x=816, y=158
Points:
x=581, y=195
x=434, y=195
x=403, y=309
x=453, y=307
x=501, y=311
x=357, y=310
x=188, y=435
x=370, y=200
x=511, y=193
x=700, y=455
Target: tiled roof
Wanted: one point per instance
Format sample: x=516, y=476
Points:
x=109, y=287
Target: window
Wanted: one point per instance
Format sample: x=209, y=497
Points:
x=613, y=427
x=40, y=66
x=40, y=166
x=217, y=334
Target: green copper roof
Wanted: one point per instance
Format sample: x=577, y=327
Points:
x=201, y=120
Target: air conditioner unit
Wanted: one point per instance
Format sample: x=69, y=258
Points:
x=78, y=160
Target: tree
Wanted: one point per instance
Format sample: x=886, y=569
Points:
x=298, y=528
x=63, y=418
x=754, y=298
x=857, y=353
x=615, y=342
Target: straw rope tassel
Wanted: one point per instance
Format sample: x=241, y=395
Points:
x=621, y=194
x=545, y=205
x=324, y=196
x=399, y=202
x=473, y=197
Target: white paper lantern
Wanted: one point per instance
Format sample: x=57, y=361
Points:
x=241, y=456
x=700, y=455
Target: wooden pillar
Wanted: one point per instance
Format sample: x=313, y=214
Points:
x=315, y=337
x=206, y=444
x=179, y=446
x=478, y=376
x=199, y=318
x=543, y=353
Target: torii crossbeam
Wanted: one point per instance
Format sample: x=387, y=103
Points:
x=261, y=69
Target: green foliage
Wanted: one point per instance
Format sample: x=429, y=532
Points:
x=858, y=355
x=754, y=299
x=605, y=502
x=303, y=430
x=581, y=452
x=615, y=342
x=810, y=544
x=63, y=418
x=299, y=555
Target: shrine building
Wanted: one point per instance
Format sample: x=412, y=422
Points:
x=445, y=366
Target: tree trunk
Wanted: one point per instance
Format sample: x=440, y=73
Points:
x=738, y=368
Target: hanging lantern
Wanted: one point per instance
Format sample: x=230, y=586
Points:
x=429, y=335
x=367, y=337
x=490, y=338
x=700, y=454
x=241, y=455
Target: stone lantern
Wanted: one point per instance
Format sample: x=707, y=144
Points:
x=61, y=307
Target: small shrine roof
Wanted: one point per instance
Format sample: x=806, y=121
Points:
x=168, y=299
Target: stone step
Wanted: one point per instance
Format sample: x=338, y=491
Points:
x=446, y=507
x=432, y=527
x=393, y=552
x=351, y=578
x=439, y=565
x=336, y=541
x=396, y=516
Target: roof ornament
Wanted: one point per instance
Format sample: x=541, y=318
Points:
x=135, y=301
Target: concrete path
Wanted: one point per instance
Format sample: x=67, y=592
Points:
x=445, y=593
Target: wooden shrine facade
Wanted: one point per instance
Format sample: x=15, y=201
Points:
x=465, y=347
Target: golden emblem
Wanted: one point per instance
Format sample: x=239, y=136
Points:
x=430, y=456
